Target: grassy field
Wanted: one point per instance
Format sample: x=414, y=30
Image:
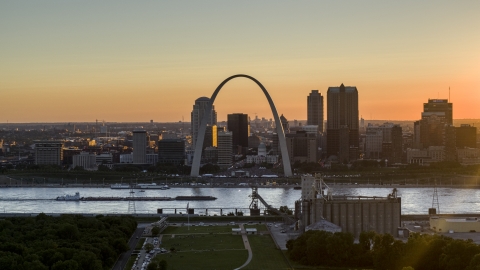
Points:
x=130, y=262
x=216, y=248
x=265, y=254
x=140, y=243
x=202, y=247
x=212, y=260
x=199, y=229
x=197, y=242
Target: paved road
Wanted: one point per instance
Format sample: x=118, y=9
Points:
x=277, y=235
x=247, y=246
x=132, y=243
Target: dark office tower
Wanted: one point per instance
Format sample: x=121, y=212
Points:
x=342, y=114
x=210, y=136
x=224, y=149
x=171, y=151
x=237, y=123
x=315, y=109
x=302, y=146
x=431, y=129
x=197, y=117
x=440, y=106
x=466, y=136
x=397, y=144
x=449, y=142
x=139, y=146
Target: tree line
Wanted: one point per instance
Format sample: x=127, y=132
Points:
x=68, y=242
x=383, y=252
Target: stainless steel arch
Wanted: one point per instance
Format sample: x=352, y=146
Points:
x=203, y=126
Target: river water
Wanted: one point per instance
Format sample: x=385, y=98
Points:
x=415, y=200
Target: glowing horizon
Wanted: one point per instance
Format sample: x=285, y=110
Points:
x=130, y=62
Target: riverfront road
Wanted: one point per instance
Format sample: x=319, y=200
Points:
x=132, y=243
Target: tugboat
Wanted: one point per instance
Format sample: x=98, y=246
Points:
x=68, y=197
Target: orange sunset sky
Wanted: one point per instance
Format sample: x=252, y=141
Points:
x=124, y=61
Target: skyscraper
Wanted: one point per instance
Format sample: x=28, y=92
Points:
x=197, y=116
x=342, y=122
x=466, y=136
x=237, y=123
x=224, y=149
x=315, y=109
x=139, y=146
x=440, y=107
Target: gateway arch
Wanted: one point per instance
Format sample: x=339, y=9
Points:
x=203, y=126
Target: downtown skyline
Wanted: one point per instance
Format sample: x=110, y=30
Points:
x=130, y=62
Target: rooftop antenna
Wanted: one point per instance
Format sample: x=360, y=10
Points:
x=449, y=94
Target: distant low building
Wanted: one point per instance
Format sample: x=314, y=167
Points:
x=85, y=160
x=104, y=158
x=454, y=225
x=270, y=159
x=171, y=151
x=426, y=156
x=126, y=158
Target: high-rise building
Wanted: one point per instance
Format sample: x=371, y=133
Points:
x=449, y=142
x=342, y=117
x=48, y=152
x=237, y=123
x=315, y=109
x=171, y=151
x=253, y=141
x=373, y=142
x=139, y=146
x=440, y=107
x=302, y=146
x=397, y=145
x=466, y=136
x=211, y=136
x=197, y=116
x=384, y=141
x=431, y=128
x=224, y=149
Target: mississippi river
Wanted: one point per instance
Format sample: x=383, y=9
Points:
x=415, y=200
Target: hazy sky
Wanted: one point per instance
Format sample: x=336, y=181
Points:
x=66, y=61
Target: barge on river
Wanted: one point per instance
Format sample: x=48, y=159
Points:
x=77, y=197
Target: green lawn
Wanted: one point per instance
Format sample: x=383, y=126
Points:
x=197, y=242
x=198, y=229
x=192, y=260
x=196, y=249
x=265, y=254
x=130, y=262
x=140, y=243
